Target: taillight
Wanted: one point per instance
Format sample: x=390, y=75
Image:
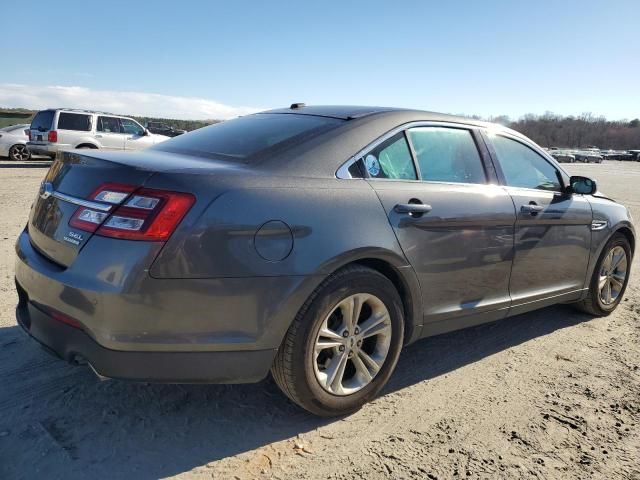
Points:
x=27, y=132
x=53, y=136
x=147, y=214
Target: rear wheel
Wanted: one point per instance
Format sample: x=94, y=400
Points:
x=19, y=153
x=344, y=343
x=610, y=278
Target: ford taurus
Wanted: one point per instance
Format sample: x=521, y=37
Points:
x=309, y=242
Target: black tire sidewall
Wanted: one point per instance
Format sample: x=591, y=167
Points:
x=317, y=399
x=617, y=240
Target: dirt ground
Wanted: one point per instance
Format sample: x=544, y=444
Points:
x=550, y=394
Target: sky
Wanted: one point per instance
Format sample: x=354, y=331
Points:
x=210, y=59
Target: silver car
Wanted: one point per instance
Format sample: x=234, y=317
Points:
x=52, y=131
x=13, y=143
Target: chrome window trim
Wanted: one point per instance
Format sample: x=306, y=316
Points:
x=343, y=171
x=102, y=207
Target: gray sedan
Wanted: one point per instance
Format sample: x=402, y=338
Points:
x=309, y=242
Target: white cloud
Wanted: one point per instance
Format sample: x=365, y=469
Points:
x=129, y=103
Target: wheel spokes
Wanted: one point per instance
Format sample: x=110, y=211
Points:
x=361, y=368
x=375, y=325
x=351, y=308
x=335, y=372
x=372, y=365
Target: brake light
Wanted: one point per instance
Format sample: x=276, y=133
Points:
x=136, y=214
x=88, y=219
x=148, y=214
x=28, y=133
x=53, y=136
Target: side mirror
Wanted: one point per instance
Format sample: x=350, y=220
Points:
x=582, y=185
x=145, y=133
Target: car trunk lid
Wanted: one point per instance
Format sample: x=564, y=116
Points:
x=69, y=185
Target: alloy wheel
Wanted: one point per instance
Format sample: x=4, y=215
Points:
x=613, y=274
x=19, y=153
x=352, y=344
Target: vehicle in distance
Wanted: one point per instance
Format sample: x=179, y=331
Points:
x=562, y=156
x=13, y=143
x=160, y=128
x=55, y=130
x=312, y=242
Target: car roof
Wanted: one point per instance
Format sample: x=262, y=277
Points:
x=352, y=112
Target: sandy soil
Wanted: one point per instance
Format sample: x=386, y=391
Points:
x=550, y=394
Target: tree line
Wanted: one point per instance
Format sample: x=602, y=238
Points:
x=586, y=130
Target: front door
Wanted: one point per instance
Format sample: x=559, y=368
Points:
x=553, y=228
x=455, y=228
x=136, y=136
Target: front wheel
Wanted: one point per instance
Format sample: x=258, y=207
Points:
x=610, y=278
x=344, y=343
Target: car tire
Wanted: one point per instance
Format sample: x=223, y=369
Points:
x=596, y=301
x=303, y=369
x=19, y=153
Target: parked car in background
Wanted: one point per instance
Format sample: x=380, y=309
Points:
x=62, y=129
x=588, y=156
x=164, y=129
x=312, y=242
x=563, y=157
x=13, y=142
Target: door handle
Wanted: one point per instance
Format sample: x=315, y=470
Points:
x=531, y=209
x=412, y=208
x=98, y=136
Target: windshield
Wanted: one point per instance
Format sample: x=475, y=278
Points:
x=248, y=137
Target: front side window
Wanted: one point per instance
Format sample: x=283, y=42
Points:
x=131, y=127
x=109, y=124
x=522, y=167
x=447, y=155
x=391, y=159
x=74, y=121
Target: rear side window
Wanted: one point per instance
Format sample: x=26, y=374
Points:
x=248, y=137
x=447, y=155
x=74, y=121
x=43, y=120
x=522, y=167
x=391, y=159
x=108, y=124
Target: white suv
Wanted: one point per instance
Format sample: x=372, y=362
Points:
x=62, y=129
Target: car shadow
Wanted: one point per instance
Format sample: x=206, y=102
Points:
x=56, y=416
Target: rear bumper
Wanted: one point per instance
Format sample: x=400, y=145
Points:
x=74, y=345
x=45, y=149
x=218, y=330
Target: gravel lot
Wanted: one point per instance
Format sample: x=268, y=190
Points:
x=550, y=394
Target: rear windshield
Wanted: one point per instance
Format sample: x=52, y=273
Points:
x=74, y=121
x=43, y=120
x=248, y=137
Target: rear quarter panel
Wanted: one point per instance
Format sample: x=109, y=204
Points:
x=330, y=222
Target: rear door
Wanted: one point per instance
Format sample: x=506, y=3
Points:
x=553, y=228
x=73, y=128
x=454, y=226
x=109, y=133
